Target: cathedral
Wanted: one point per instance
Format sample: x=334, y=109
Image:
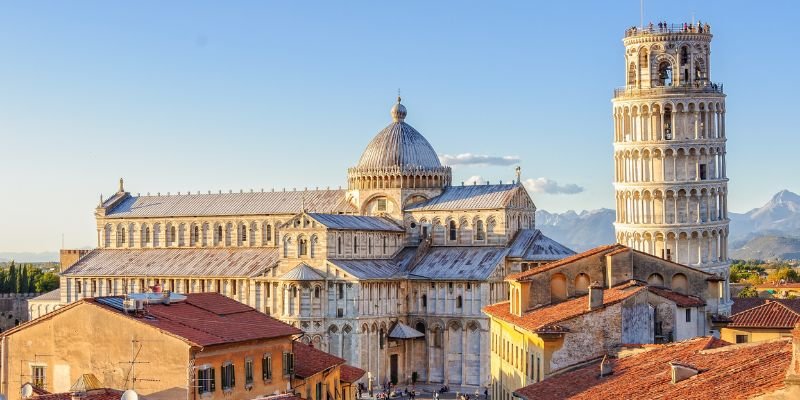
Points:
x=390, y=273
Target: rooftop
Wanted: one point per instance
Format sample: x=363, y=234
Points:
x=205, y=319
x=229, y=204
x=350, y=374
x=533, y=245
x=210, y=262
x=745, y=303
x=725, y=372
x=469, y=197
x=771, y=314
x=356, y=222
x=94, y=394
x=309, y=360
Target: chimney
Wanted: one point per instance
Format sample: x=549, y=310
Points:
x=595, y=295
x=793, y=374
x=681, y=372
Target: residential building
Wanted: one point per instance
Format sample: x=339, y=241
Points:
x=572, y=311
x=318, y=376
x=670, y=173
x=699, y=368
x=400, y=244
x=769, y=320
x=165, y=346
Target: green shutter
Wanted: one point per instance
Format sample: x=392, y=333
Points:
x=213, y=379
x=233, y=375
x=200, y=381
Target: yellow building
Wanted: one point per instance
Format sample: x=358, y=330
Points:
x=780, y=290
x=233, y=351
x=555, y=319
x=771, y=320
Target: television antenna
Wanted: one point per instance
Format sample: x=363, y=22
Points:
x=136, y=349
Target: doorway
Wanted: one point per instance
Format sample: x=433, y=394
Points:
x=393, y=360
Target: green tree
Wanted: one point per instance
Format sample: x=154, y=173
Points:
x=12, y=278
x=46, y=282
x=748, y=292
x=785, y=273
x=22, y=287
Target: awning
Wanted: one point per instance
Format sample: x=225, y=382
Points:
x=403, y=331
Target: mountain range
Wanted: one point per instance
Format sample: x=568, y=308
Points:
x=771, y=231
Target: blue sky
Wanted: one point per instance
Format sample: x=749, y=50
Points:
x=178, y=96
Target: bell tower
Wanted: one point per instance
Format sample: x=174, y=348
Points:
x=669, y=150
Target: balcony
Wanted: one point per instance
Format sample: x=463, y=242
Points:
x=657, y=29
x=696, y=87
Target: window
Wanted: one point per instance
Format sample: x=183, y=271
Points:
x=319, y=391
x=233, y=287
x=437, y=337
x=78, y=287
x=147, y=235
x=382, y=205
x=269, y=232
x=266, y=367
x=453, y=230
x=340, y=289
x=248, y=371
x=381, y=338
x=688, y=315
x=122, y=233
x=288, y=363
x=171, y=234
x=228, y=376
x=109, y=289
x=38, y=376
x=340, y=312
x=741, y=338
x=458, y=302
x=424, y=301
x=243, y=230
x=480, y=233
x=355, y=245
x=384, y=245
x=339, y=245
x=219, y=234
x=195, y=234
x=369, y=245
x=206, y=382
x=702, y=172
x=302, y=247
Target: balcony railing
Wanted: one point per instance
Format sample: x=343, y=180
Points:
x=697, y=87
x=655, y=29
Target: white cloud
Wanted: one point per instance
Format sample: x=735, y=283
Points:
x=549, y=186
x=477, y=159
x=474, y=180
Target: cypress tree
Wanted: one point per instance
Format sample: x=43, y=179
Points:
x=12, y=278
x=23, y=279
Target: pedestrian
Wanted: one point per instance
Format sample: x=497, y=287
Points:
x=486, y=393
x=435, y=395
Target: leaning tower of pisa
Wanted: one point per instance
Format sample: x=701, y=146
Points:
x=669, y=149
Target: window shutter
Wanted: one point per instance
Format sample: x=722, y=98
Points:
x=233, y=375
x=213, y=379
x=264, y=368
x=200, y=381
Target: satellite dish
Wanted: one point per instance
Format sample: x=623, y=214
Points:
x=129, y=395
x=27, y=391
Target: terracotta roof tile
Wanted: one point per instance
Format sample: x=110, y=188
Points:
x=681, y=300
x=647, y=375
x=771, y=314
x=746, y=303
x=309, y=360
x=208, y=319
x=588, y=253
x=97, y=394
x=350, y=374
x=548, y=316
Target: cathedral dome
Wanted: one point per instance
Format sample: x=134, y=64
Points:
x=399, y=145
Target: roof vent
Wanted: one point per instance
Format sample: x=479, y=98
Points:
x=605, y=367
x=682, y=372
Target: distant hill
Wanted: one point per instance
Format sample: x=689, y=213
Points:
x=768, y=248
x=578, y=231
x=771, y=231
x=23, y=257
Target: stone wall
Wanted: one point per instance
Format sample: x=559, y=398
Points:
x=14, y=309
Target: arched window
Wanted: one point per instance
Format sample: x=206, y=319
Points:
x=195, y=234
x=243, y=232
x=420, y=327
x=664, y=74
x=679, y=283
x=424, y=301
x=122, y=232
x=453, y=230
x=269, y=232
x=684, y=55
x=382, y=338
x=339, y=245
x=459, y=302
x=582, y=282
x=558, y=287
x=147, y=234
x=655, y=280
x=667, y=123
x=302, y=247
x=172, y=233
x=313, y=246
x=285, y=247
x=219, y=234
x=480, y=233
x=317, y=291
